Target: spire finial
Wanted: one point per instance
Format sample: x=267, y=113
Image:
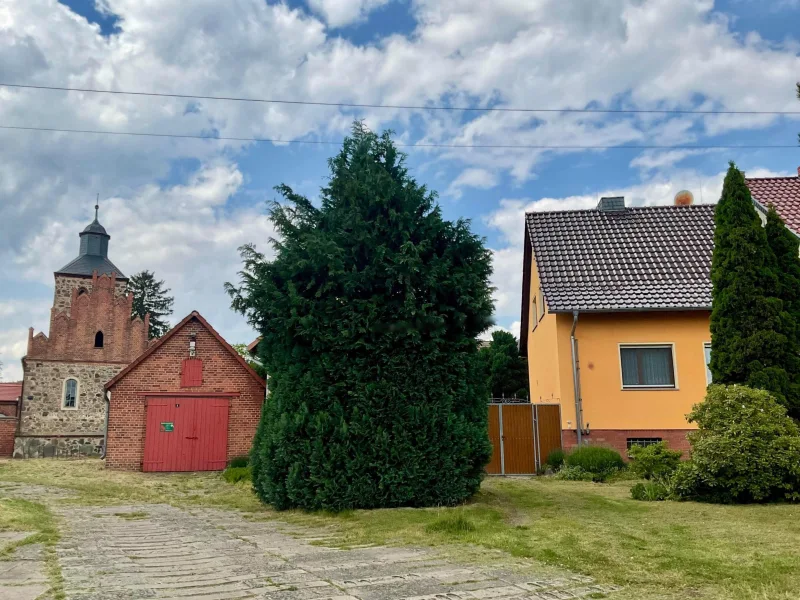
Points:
x=97, y=206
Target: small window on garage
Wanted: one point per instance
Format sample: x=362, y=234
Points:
x=642, y=442
x=192, y=372
x=70, y=396
x=647, y=366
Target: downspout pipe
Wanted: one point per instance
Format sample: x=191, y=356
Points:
x=105, y=428
x=576, y=378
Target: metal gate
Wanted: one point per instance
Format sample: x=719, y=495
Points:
x=522, y=436
x=186, y=434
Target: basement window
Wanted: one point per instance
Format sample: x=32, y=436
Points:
x=647, y=366
x=643, y=442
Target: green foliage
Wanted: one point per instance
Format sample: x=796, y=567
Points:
x=506, y=369
x=556, y=458
x=750, y=330
x=649, y=491
x=786, y=247
x=237, y=474
x=369, y=316
x=745, y=449
x=150, y=296
x=239, y=461
x=568, y=473
x=241, y=350
x=655, y=460
x=452, y=524
x=600, y=461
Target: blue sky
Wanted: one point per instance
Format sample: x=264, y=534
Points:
x=181, y=208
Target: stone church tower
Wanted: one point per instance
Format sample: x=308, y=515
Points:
x=92, y=338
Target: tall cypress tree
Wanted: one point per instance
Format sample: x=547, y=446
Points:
x=749, y=344
x=786, y=247
x=369, y=315
x=506, y=370
x=150, y=296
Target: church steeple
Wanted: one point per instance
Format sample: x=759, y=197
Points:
x=93, y=252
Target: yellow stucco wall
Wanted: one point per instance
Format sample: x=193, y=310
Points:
x=605, y=404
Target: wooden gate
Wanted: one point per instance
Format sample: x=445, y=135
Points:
x=522, y=436
x=186, y=434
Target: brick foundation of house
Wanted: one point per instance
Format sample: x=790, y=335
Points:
x=8, y=429
x=618, y=438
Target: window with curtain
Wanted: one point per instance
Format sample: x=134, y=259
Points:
x=647, y=366
x=707, y=352
x=70, y=394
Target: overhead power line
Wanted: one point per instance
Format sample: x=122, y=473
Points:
x=209, y=138
x=409, y=106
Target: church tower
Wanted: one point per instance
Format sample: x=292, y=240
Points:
x=92, y=338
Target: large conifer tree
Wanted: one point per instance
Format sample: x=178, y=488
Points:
x=786, y=247
x=369, y=315
x=506, y=370
x=749, y=344
x=150, y=296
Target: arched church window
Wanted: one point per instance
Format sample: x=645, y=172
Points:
x=98, y=339
x=70, y=399
x=82, y=291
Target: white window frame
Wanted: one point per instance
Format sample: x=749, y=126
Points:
x=64, y=393
x=709, y=375
x=670, y=345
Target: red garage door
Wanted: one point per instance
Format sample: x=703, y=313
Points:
x=186, y=434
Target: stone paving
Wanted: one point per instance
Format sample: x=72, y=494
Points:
x=162, y=552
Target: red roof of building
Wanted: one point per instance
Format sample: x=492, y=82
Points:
x=781, y=192
x=10, y=391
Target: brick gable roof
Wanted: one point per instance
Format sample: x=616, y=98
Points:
x=648, y=258
x=781, y=192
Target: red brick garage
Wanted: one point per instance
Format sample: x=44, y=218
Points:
x=188, y=403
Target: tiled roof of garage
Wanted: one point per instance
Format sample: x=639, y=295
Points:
x=781, y=192
x=644, y=258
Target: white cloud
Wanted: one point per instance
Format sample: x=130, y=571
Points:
x=473, y=177
x=338, y=13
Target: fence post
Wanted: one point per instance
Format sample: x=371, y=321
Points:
x=502, y=441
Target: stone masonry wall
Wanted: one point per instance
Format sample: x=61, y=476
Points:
x=66, y=283
x=161, y=372
x=42, y=415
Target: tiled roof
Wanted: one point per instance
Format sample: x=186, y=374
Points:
x=647, y=258
x=87, y=264
x=781, y=192
x=10, y=391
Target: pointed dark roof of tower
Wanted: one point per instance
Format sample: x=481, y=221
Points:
x=93, y=253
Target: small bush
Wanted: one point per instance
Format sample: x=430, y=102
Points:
x=568, y=473
x=237, y=474
x=655, y=460
x=453, y=524
x=650, y=491
x=239, y=461
x=555, y=459
x=603, y=462
x=745, y=449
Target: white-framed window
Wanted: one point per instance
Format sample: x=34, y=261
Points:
x=647, y=366
x=69, y=398
x=707, y=357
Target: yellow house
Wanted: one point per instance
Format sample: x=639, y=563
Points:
x=615, y=319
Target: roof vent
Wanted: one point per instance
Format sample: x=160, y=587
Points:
x=611, y=204
x=684, y=198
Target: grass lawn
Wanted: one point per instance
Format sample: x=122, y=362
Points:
x=656, y=549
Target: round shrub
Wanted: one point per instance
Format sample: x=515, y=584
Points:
x=596, y=459
x=556, y=459
x=745, y=449
x=655, y=460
